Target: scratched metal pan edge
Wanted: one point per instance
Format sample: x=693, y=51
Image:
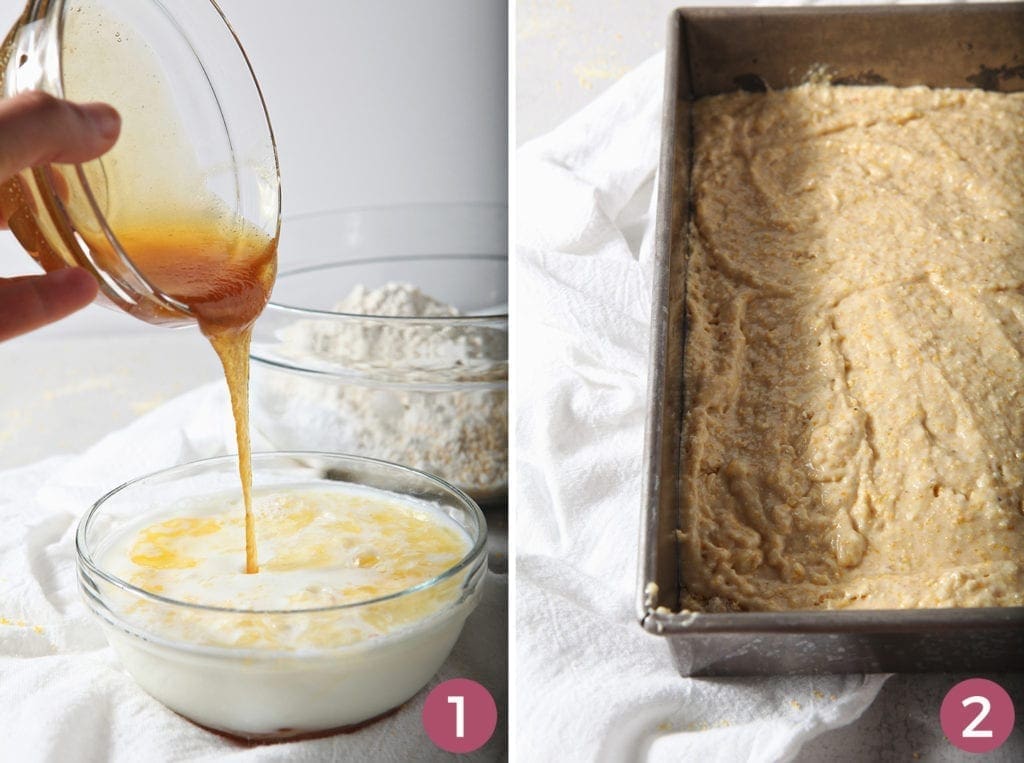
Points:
x=719, y=49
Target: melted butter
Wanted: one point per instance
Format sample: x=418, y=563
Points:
x=321, y=548
x=158, y=547
x=223, y=274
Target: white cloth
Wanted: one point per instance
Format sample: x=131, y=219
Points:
x=65, y=696
x=591, y=684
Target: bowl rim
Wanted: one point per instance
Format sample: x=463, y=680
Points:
x=86, y=563
x=399, y=206
x=484, y=320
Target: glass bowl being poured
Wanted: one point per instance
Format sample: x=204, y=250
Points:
x=183, y=213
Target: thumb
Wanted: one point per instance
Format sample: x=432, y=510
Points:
x=36, y=128
x=30, y=302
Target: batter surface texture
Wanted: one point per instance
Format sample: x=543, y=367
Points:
x=854, y=434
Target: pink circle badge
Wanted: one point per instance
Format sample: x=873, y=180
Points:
x=977, y=715
x=460, y=715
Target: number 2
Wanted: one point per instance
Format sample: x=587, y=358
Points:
x=971, y=732
x=460, y=716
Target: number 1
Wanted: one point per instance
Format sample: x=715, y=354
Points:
x=972, y=731
x=460, y=729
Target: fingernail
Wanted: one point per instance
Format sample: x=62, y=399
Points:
x=105, y=119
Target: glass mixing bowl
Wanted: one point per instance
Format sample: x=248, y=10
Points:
x=270, y=693
x=429, y=392
x=196, y=143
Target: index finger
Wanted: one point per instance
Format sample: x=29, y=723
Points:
x=36, y=128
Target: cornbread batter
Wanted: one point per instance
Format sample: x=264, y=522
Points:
x=320, y=548
x=855, y=357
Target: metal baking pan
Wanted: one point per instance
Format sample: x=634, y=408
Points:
x=719, y=50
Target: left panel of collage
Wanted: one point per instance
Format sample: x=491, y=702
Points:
x=254, y=380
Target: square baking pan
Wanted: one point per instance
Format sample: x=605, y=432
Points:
x=713, y=51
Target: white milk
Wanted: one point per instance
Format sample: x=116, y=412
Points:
x=288, y=671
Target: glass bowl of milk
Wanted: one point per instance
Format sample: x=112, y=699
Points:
x=367, y=572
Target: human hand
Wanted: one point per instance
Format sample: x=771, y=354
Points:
x=35, y=129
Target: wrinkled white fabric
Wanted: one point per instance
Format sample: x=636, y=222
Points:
x=591, y=684
x=65, y=697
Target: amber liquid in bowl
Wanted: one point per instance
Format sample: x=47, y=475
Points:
x=222, y=273
x=225, y=280
x=150, y=200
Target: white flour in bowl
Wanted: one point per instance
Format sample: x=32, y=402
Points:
x=411, y=398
